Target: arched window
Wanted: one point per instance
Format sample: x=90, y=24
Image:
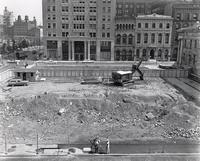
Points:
x=139, y=25
x=130, y=39
x=124, y=27
x=152, y=38
x=120, y=26
x=129, y=26
x=159, y=38
x=132, y=26
x=117, y=26
x=166, y=54
x=138, y=53
x=159, y=53
x=160, y=25
x=144, y=53
x=167, y=38
x=124, y=55
x=124, y=39
x=118, y=40
x=146, y=38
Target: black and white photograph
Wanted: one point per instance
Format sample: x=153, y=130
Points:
x=99, y=80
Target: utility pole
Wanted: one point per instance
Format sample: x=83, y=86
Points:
x=6, y=145
x=37, y=145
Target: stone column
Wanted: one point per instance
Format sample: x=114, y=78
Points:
x=69, y=50
x=72, y=50
x=88, y=50
x=59, y=50
x=85, y=50
x=98, y=50
x=169, y=54
x=112, y=51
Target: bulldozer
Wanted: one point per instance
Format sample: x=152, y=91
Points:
x=125, y=77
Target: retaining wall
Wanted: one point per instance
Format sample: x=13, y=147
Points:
x=67, y=73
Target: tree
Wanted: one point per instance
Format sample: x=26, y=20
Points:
x=24, y=44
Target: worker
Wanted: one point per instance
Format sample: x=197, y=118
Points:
x=108, y=146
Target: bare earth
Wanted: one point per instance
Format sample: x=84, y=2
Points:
x=151, y=110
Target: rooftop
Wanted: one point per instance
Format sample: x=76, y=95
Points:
x=153, y=16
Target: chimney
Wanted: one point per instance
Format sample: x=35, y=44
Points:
x=26, y=18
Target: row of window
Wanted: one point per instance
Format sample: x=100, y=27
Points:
x=125, y=27
x=187, y=16
x=124, y=39
x=153, y=25
x=153, y=38
x=191, y=44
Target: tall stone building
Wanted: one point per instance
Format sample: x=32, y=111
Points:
x=189, y=47
x=185, y=14
x=79, y=29
x=8, y=19
x=26, y=29
x=153, y=37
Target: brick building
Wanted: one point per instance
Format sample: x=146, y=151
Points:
x=79, y=30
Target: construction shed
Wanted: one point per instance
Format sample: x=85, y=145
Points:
x=25, y=74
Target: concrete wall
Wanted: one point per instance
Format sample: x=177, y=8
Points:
x=6, y=75
x=77, y=73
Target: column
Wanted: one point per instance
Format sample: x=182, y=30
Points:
x=169, y=54
x=59, y=50
x=72, y=50
x=85, y=50
x=112, y=51
x=180, y=51
x=88, y=50
x=141, y=53
x=45, y=49
x=69, y=50
x=98, y=50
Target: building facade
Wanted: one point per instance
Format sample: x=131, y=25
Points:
x=8, y=19
x=26, y=29
x=79, y=30
x=153, y=37
x=189, y=47
x=185, y=14
x=1, y=30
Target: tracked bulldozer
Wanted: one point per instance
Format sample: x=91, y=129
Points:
x=126, y=77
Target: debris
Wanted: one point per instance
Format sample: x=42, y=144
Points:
x=61, y=111
x=149, y=116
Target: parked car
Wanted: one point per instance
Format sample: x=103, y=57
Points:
x=17, y=82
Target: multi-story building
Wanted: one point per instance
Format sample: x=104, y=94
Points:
x=189, y=47
x=26, y=29
x=1, y=29
x=125, y=23
x=153, y=37
x=79, y=29
x=8, y=19
x=185, y=14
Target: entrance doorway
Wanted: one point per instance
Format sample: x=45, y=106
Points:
x=79, y=50
x=24, y=76
x=152, y=54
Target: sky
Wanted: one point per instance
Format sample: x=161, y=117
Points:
x=23, y=7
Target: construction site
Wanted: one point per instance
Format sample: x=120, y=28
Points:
x=58, y=111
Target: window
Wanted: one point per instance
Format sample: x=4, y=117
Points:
x=167, y=25
x=152, y=38
x=160, y=25
x=167, y=38
x=32, y=74
x=92, y=34
x=146, y=38
x=153, y=25
x=103, y=34
x=54, y=25
x=159, y=38
x=18, y=74
x=49, y=25
x=64, y=8
x=54, y=8
x=178, y=16
x=130, y=39
x=118, y=40
x=124, y=39
x=108, y=35
x=146, y=25
x=139, y=25
x=138, y=38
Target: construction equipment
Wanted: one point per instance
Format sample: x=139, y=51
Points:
x=125, y=77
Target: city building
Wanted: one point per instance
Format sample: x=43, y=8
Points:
x=8, y=19
x=153, y=37
x=189, y=47
x=1, y=29
x=26, y=30
x=185, y=14
x=79, y=30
